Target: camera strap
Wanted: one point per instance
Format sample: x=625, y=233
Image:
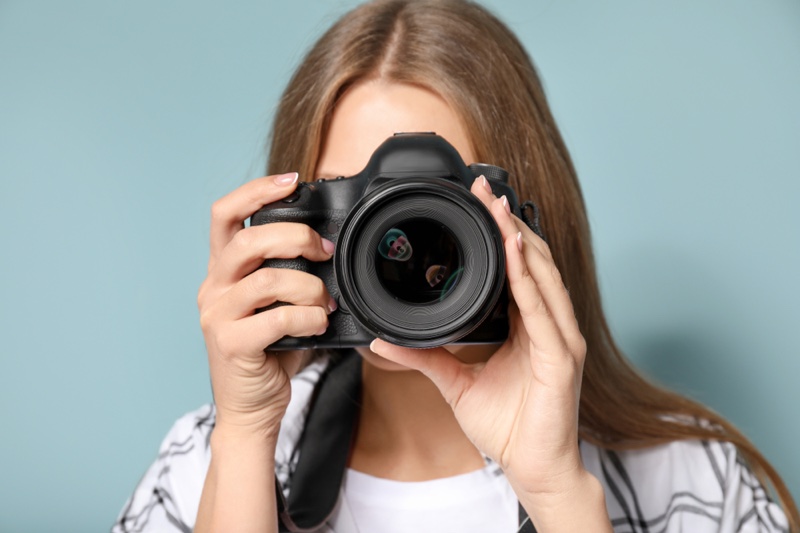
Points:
x=532, y=219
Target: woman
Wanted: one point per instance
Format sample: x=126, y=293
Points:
x=550, y=431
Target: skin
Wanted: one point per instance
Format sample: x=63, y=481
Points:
x=426, y=414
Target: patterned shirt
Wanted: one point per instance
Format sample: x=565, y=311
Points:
x=684, y=486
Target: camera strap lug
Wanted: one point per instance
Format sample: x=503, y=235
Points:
x=532, y=220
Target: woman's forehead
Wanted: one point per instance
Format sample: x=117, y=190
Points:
x=371, y=111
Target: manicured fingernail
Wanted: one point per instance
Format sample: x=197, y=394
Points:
x=332, y=306
x=486, y=185
x=328, y=246
x=372, y=344
x=519, y=241
x=505, y=203
x=286, y=179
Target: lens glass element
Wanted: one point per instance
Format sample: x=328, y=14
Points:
x=418, y=261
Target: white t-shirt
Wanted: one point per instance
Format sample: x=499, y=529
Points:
x=479, y=502
x=683, y=486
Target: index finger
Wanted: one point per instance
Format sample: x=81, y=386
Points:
x=229, y=212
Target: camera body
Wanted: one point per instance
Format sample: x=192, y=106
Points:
x=419, y=260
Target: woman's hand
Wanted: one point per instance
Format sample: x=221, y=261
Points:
x=520, y=407
x=251, y=387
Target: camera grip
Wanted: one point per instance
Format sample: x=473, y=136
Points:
x=303, y=265
x=327, y=223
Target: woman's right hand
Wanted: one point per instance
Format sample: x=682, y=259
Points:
x=251, y=386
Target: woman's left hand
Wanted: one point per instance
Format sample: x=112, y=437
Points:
x=520, y=407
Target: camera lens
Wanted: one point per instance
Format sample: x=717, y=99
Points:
x=420, y=262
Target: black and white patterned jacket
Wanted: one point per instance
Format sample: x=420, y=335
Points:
x=684, y=486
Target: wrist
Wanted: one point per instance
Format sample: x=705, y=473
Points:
x=249, y=424
x=239, y=489
x=578, y=506
x=227, y=437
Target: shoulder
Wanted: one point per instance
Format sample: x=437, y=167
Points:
x=168, y=495
x=689, y=485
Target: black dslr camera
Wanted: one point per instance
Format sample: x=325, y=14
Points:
x=419, y=260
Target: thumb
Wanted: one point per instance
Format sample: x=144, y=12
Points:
x=450, y=375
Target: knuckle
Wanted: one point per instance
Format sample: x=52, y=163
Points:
x=307, y=236
x=243, y=238
x=201, y=295
x=580, y=348
x=226, y=343
x=525, y=278
x=206, y=321
x=576, y=375
x=583, y=346
x=571, y=371
x=546, y=250
x=319, y=287
x=205, y=293
x=218, y=210
x=537, y=308
x=280, y=318
x=540, y=306
x=263, y=280
x=555, y=274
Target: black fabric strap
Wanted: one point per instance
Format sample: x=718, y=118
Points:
x=324, y=446
x=532, y=218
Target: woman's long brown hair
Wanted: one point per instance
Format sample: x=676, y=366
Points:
x=466, y=55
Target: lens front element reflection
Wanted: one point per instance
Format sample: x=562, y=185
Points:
x=418, y=261
x=395, y=246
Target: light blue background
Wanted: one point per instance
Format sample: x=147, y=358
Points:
x=120, y=124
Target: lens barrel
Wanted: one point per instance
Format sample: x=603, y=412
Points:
x=420, y=262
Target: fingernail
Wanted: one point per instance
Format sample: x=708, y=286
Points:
x=323, y=330
x=332, y=306
x=519, y=241
x=328, y=246
x=372, y=344
x=486, y=184
x=505, y=203
x=286, y=179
